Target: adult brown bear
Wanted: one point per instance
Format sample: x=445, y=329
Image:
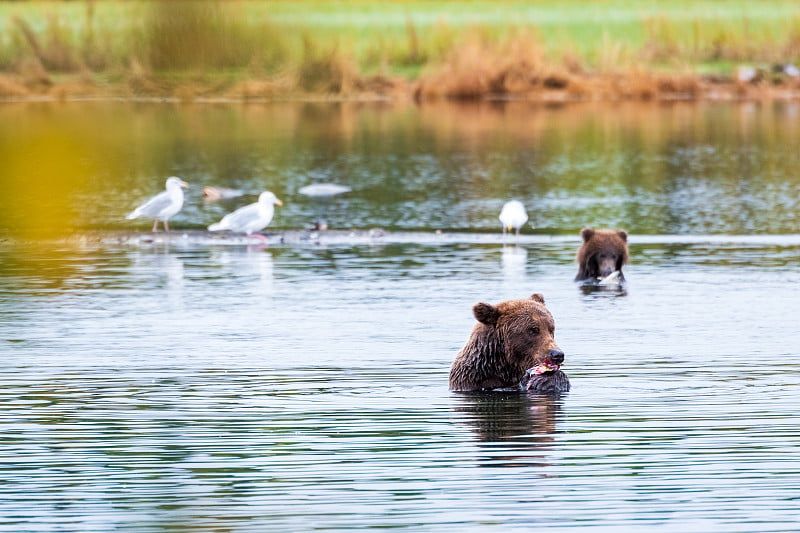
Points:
x=510, y=339
x=602, y=253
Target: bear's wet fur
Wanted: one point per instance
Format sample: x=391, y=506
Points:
x=509, y=339
x=602, y=252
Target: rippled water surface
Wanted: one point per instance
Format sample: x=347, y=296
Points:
x=197, y=384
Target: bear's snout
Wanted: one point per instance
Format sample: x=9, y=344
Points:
x=607, y=265
x=556, y=356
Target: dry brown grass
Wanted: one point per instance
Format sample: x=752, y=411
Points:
x=325, y=72
x=708, y=40
x=516, y=68
x=257, y=90
x=140, y=81
x=477, y=68
x=55, y=51
x=204, y=48
x=11, y=88
x=462, y=80
x=34, y=76
x=519, y=68
x=75, y=88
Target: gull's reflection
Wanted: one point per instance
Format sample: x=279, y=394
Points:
x=251, y=263
x=163, y=268
x=514, y=259
x=514, y=428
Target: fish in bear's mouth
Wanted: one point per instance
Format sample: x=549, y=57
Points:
x=544, y=377
x=544, y=368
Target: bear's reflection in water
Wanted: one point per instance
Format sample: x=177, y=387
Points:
x=603, y=291
x=515, y=428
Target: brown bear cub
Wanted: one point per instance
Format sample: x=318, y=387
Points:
x=602, y=253
x=511, y=346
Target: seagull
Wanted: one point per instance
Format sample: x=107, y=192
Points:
x=513, y=215
x=163, y=205
x=250, y=218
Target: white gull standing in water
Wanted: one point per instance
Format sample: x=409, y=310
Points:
x=513, y=215
x=163, y=205
x=250, y=218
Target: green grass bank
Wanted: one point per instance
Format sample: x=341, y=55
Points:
x=555, y=50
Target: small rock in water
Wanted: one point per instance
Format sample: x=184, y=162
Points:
x=212, y=194
x=321, y=190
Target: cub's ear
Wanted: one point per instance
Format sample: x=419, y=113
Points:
x=537, y=297
x=587, y=233
x=623, y=235
x=486, y=314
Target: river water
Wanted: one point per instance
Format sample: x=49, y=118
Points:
x=191, y=383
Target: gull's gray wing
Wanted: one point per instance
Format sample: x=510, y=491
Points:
x=242, y=217
x=152, y=207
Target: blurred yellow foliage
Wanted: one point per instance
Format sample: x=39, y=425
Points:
x=40, y=176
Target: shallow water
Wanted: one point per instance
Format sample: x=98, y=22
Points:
x=191, y=384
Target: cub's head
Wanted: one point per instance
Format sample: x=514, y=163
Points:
x=603, y=251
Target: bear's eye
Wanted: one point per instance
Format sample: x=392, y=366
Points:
x=533, y=330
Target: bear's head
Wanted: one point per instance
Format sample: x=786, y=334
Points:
x=602, y=252
x=510, y=338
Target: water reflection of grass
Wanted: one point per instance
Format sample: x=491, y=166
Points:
x=267, y=48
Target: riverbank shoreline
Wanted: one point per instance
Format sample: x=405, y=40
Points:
x=636, y=86
x=267, y=51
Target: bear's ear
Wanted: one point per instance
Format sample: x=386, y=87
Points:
x=623, y=235
x=537, y=297
x=587, y=233
x=486, y=314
